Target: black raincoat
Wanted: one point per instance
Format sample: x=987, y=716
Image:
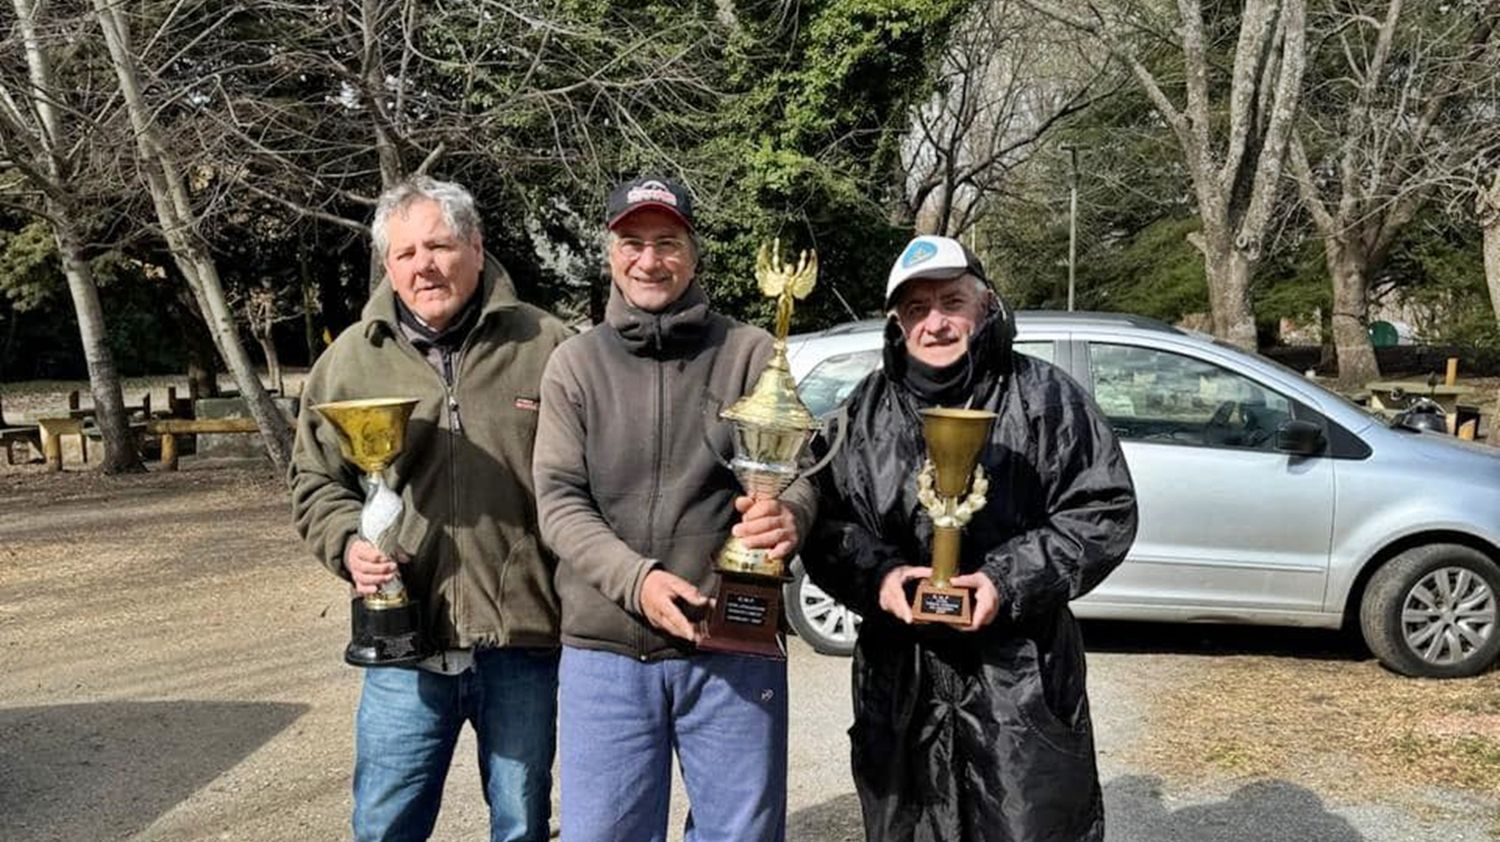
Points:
x=983, y=736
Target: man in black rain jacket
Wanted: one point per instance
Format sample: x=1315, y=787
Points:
x=977, y=733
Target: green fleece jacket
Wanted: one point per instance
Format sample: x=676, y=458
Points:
x=469, y=522
x=625, y=477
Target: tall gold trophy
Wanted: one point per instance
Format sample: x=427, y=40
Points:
x=951, y=487
x=386, y=625
x=772, y=428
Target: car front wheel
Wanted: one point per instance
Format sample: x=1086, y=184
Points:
x=826, y=625
x=1431, y=611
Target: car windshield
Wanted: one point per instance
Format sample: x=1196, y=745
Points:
x=827, y=385
x=1292, y=371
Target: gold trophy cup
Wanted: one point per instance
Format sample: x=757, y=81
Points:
x=772, y=428
x=386, y=625
x=951, y=487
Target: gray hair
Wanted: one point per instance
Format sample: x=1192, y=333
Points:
x=456, y=203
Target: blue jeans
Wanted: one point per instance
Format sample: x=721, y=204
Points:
x=409, y=720
x=726, y=716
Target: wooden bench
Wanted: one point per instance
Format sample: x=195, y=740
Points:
x=52, y=430
x=28, y=437
x=170, y=428
x=12, y=434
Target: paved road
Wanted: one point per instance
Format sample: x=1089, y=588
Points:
x=169, y=671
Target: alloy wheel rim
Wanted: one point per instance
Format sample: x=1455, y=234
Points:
x=1448, y=615
x=829, y=616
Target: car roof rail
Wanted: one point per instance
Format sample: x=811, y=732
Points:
x=1036, y=318
x=1084, y=318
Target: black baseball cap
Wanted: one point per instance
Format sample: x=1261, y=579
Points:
x=648, y=192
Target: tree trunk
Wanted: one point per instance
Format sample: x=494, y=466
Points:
x=273, y=362
x=275, y=432
x=174, y=212
x=1351, y=308
x=1489, y=218
x=1492, y=262
x=120, y=452
x=1228, y=272
x=309, y=303
x=202, y=356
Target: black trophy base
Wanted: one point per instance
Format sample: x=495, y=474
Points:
x=933, y=604
x=385, y=637
x=746, y=617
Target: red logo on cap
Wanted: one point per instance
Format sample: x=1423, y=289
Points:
x=651, y=191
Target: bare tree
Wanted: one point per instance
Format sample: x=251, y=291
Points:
x=1487, y=204
x=1234, y=160
x=170, y=196
x=1007, y=77
x=37, y=145
x=319, y=105
x=1406, y=107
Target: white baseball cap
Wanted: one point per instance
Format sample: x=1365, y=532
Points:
x=932, y=257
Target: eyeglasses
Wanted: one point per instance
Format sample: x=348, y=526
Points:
x=667, y=248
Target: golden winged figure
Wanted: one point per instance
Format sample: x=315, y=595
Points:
x=785, y=282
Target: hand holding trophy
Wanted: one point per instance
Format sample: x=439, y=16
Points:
x=772, y=428
x=386, y=625
x=951, y=488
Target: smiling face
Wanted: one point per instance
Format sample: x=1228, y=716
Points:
x=651, y=258
x=434, y=271
x=938, y=317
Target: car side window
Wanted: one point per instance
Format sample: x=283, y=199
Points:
x=831, y=381
x=1159, y=396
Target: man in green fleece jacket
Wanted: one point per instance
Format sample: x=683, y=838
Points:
x=635, y=505
x=446, y=328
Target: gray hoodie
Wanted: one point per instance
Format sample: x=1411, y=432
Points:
x=625, y=481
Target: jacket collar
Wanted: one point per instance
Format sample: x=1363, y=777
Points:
x=681, y=325
x=495, y=289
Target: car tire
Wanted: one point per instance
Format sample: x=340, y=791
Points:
x=1430, y=612
x=829, y=627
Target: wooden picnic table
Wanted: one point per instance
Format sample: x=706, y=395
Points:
x=1383, y=394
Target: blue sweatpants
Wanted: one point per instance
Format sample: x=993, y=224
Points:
x=620, y=720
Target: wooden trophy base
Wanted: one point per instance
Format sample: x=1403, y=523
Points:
x=933, y=604
x=746, y=617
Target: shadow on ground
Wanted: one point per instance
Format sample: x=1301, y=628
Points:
x=835, y=820
x=108, y=770
x=1265, y=811
x=1215, y=639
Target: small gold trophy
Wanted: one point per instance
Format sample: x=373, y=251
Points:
x=771, y=430
x=386, y=625
x=951, y=487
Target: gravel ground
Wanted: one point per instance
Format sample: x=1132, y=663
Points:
x=172, y=672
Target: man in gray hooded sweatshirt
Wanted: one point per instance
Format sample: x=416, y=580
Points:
x=635, y=505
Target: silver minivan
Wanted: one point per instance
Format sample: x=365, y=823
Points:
x=1264, y=498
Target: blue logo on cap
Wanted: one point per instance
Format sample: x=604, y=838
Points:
x=918, y=252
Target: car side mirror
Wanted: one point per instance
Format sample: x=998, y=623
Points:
x=1300, y=438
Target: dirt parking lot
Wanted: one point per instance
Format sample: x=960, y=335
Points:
x=172, y=672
